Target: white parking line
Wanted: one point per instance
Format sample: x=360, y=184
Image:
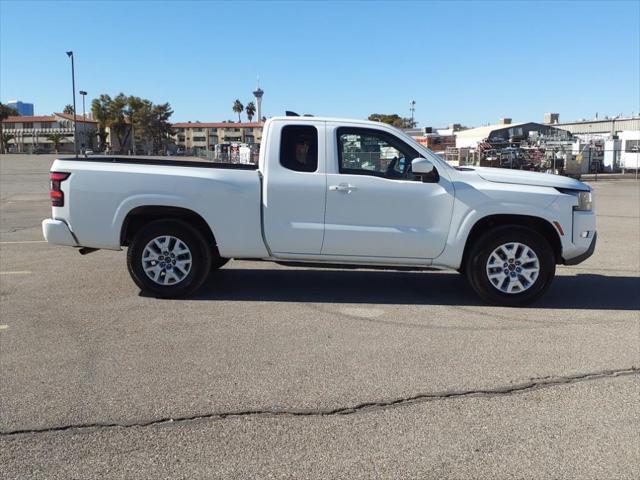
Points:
x=24, y=241
x=20, y=272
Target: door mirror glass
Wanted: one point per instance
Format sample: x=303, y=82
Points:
x=421, y=166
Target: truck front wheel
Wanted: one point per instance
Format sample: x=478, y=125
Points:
x=169, y=259
x=511, y=266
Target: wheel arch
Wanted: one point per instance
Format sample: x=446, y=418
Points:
x=140, y=216
x=538, y=224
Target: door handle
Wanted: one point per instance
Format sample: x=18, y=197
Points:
x=343, y=187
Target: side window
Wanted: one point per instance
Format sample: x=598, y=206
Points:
x=299, y=148
x=370, y=152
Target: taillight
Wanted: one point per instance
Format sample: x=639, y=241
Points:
x=57, y=197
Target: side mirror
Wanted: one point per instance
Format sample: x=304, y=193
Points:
x=421, y=166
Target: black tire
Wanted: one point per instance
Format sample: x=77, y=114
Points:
x=200, y=265
x=476, y=265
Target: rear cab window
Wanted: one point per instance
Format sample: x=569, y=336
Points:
x=299, y=148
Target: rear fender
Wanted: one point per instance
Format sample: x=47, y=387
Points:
x=131, y=203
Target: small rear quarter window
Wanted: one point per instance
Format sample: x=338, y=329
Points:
x=299, y=148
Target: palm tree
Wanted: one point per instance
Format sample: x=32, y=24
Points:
x=251, y=110
x=68, y=109
x=238, y=108
x=56, y=138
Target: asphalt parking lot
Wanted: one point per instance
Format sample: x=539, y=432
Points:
x=275, y=372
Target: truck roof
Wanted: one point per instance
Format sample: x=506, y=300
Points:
x=330, y=119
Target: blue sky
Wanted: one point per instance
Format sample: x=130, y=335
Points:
x=465, y=62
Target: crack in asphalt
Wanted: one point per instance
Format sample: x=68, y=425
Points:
x=19, y=229
x=533, y=384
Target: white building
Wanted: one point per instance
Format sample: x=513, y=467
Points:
x=36, y=134
x=629, y=149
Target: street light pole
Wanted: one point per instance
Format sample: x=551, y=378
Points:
x=83, y=93
x=84, y=120
x=73, y=85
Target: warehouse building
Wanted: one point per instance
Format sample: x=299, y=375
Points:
x=605, y=127
x=506, y=133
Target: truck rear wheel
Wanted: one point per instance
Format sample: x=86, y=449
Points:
x=169, y=259
x=511, y=266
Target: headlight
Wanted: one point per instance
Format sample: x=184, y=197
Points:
x=585, y=202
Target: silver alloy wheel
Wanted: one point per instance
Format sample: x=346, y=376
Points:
x=166, y=260
x=513, y=267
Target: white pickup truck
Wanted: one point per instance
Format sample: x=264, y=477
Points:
x=325, y=191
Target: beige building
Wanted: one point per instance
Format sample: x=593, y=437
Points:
x=205, y=136
x=32, y=134
x=600, y=127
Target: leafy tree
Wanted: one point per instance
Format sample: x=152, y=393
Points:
x=393, y=119
x=118, y=119
x=135, y=118
x=100, y=111
x=251, y=110
x=56, y=138
x=5, y=112
x=5, y=138
x=238, y=108
x=137, y=112
x=152, y=124
x=160, y=129
x=410, y=123
x=68, y=109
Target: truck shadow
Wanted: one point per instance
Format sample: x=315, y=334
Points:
x=583, y=291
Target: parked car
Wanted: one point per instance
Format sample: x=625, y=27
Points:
x=325, y=191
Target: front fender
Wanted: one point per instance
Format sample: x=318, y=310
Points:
x=472, y=205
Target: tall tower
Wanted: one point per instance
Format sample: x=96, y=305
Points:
x=258, y=94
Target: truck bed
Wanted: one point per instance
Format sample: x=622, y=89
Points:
x=101, y=191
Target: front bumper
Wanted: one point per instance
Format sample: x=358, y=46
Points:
x=583, y=256
x=580, y=245
x=57, y=232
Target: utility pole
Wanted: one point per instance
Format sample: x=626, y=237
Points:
x=133, y=137
x=75, y=124
x=412, y=109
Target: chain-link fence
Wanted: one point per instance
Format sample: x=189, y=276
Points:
x=246, y=153
x=573, y=159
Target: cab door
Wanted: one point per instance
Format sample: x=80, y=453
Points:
x=376, y=207
x=294, y=187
